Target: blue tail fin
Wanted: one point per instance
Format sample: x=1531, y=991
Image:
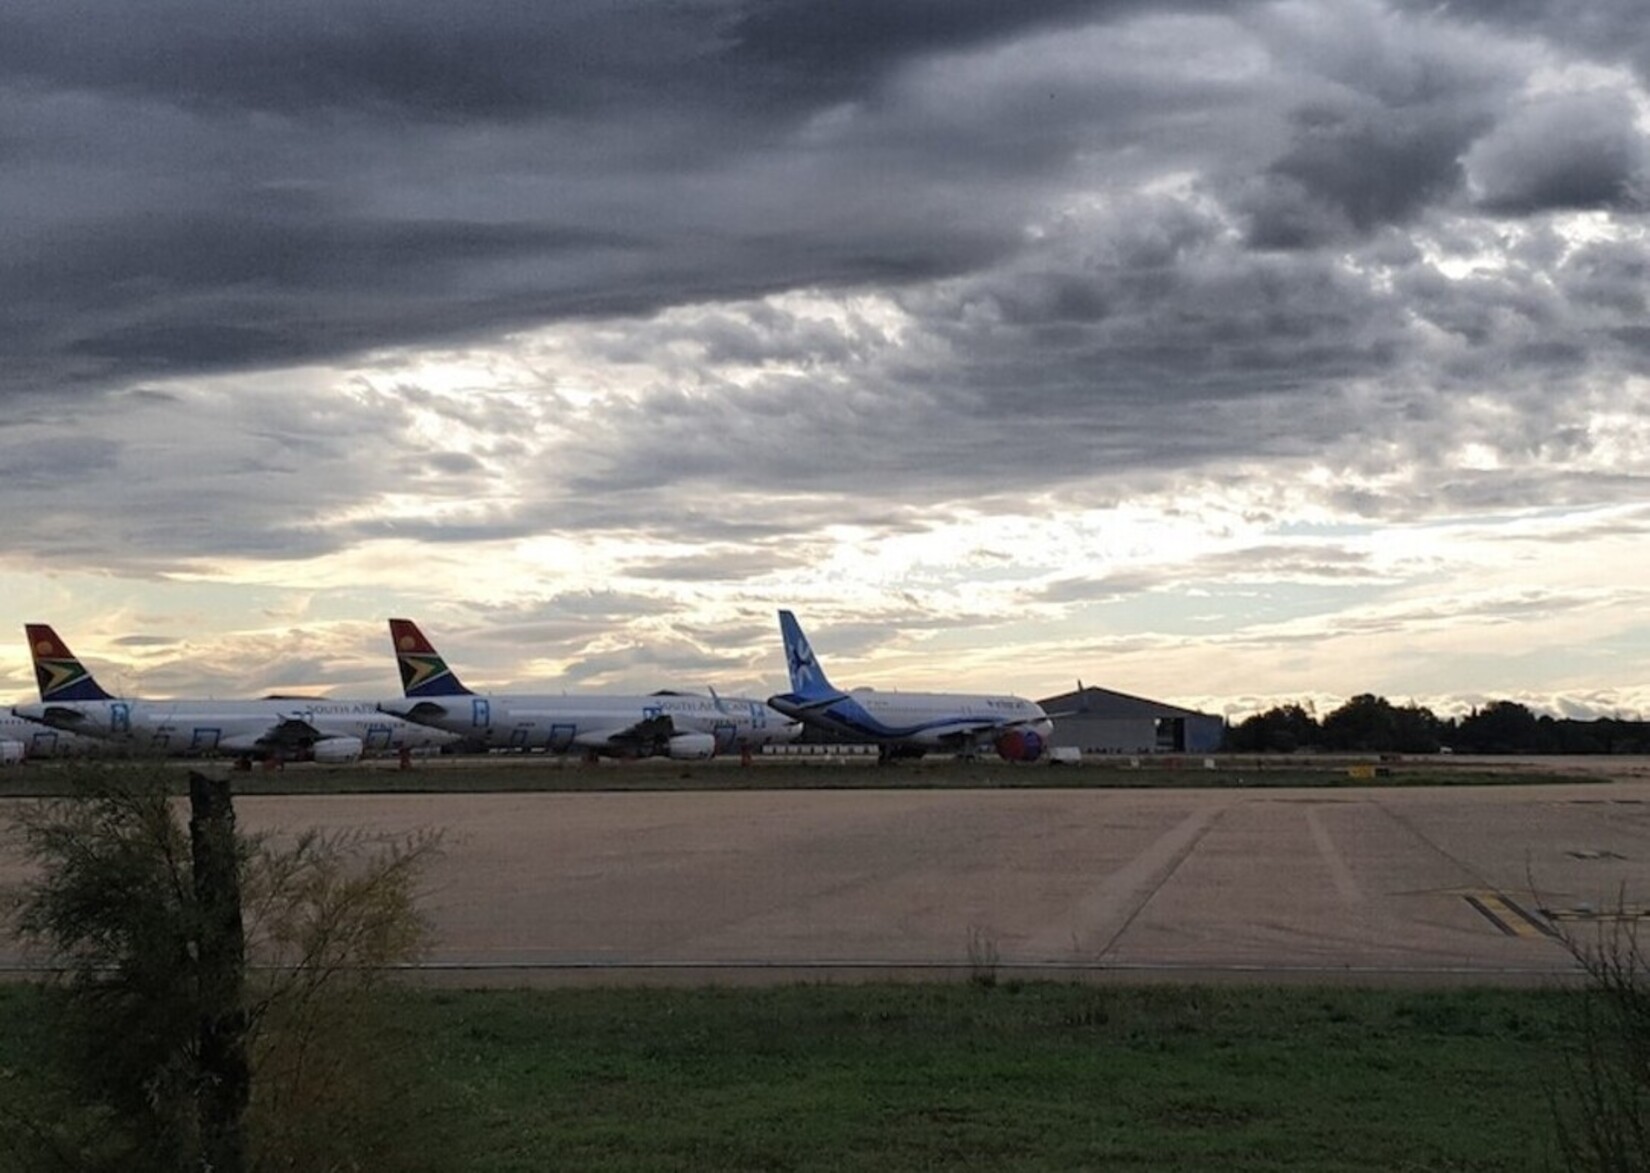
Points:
x=423, y=671
x=807, y=677
x=61, y=677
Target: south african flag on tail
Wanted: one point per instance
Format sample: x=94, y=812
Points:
x=423, y=671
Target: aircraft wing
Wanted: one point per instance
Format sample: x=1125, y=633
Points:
x=291, y=733
x=647, y=736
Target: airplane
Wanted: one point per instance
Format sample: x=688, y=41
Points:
x=665, y=724
x=908, y=724
x=22, y=740
x=273, y=730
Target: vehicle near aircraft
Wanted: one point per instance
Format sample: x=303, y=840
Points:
x=908, y=724
x=272, y=730
x=662, y=724
x=22, y=740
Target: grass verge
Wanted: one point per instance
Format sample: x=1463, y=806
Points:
x=1009, y=1077
x=538, y=772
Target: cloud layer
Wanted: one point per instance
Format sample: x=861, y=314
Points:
x=1212, y=351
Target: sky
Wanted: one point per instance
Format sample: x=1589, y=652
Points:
x=1226, y=353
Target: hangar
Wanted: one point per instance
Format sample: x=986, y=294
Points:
x=1098, y=720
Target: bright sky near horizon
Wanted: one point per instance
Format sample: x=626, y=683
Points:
x=1229, y=354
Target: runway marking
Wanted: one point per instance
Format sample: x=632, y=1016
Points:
x=1508, y=915
x=1339, y=873
x=1621, y=912
x=1105, y=913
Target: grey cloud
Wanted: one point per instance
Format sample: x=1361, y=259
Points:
x=1295, y=562
x=639, y=158
x=627, y=159
x=1610, y=30
x=489, y=59
x=1353, y=171
x=1104, y=588
x=1079, y=301
x=713, y=565
x=1577, y=151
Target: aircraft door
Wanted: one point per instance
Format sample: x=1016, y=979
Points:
x=120, y=718
x=481, y=713
x=204, y=740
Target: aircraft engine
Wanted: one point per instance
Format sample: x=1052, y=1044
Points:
x=12, y=753
x=1020, y=745
x=337, y=751
x=694, y=746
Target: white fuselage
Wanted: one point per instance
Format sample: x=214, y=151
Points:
x=563, y=724
x=189, y=727
x=932, y=720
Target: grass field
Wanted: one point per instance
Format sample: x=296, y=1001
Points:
x=538, y=772
x=1033, y=1077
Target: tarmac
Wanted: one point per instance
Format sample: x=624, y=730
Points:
x=1372, y=885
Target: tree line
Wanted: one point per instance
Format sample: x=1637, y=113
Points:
x=1372, y=724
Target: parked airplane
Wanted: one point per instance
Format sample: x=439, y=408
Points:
x=908, y=724
x=667, y=724
x=275, y=729
x=24, y=740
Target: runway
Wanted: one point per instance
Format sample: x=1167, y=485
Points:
x=1437, y=884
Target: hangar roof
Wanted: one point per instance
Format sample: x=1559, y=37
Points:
x=1104, y=703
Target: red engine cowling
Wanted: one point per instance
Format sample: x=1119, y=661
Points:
x=1020, y=745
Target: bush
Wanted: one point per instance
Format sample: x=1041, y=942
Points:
x=1605, y=1124
x=160, y=1014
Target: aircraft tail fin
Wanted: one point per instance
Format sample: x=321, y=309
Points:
x=807, y=677
x=60, y=675
x=423, y=671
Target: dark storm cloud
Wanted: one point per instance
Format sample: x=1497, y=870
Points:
x=1581, y=151
x=486, y=60
x=1257, y=221
x=1607, y=30
x=202, y=187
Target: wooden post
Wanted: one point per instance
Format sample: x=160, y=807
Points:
x=225, y=1085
